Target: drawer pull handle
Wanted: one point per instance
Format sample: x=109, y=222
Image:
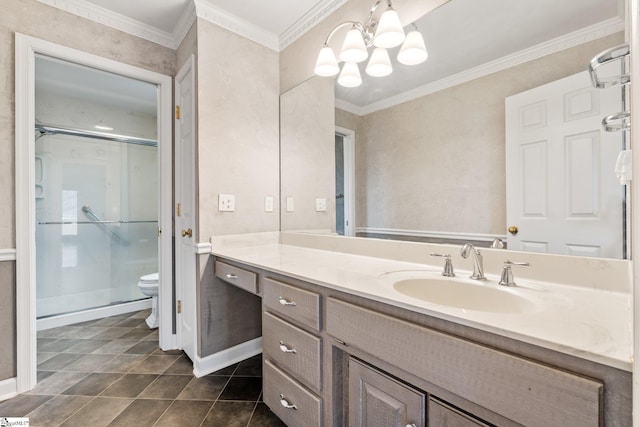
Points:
x=232, y=276
x=410, y=425
x=286, y=349
x=284, y=301
x=285, y=403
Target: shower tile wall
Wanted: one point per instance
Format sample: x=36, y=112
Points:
x=84, y=266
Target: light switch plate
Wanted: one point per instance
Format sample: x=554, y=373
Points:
x=289, y=204
x=321, y=205
x=226, y=203
x=268, y=204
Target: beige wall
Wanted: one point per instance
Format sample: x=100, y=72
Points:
x=238, y=136
x=418, y=162
x=307, y=169
x=38, y=20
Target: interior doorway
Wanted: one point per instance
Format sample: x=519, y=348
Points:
x=27, y=48
x=345, y=181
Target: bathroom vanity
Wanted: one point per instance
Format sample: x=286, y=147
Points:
x=338, y=352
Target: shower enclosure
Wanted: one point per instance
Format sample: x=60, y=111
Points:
x=97, y=181
x=96, y=230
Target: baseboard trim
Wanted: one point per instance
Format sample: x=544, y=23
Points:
x=93, y=314
x=8, y=389
x=205, y=365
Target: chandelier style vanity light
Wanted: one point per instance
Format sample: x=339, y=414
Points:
x=383, y=34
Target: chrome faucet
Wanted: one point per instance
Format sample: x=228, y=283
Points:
x=448, y=265
x=478, y=269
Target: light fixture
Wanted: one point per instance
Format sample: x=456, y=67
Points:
x=350, y=75
x=413, y=51
x=379, y=65
x=388, y=34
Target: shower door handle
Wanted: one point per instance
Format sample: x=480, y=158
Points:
x=187, y=233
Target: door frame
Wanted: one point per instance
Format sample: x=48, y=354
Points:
x=349, y=143
x=181, y=164
x=26, y=47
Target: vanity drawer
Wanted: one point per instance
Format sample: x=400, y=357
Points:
x=294, y=303
x=295, y=350
x=280, y=390
x=521, y=390
x=441, y=414
x=239, y=277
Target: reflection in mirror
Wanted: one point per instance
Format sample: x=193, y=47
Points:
x=431, y=144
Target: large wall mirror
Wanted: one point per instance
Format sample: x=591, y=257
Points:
x=434, y=152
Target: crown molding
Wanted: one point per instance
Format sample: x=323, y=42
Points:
x=114, y=20
x=222, y=18
x=558, y=44
x=184, y=24
x=308, y=21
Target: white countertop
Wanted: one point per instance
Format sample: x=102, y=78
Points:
x=591, y=324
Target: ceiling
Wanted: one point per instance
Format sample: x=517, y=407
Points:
x=460, y=35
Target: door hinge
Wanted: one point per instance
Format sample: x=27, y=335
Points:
x=179, y=309
x=177, y=112
x=159, y=231
x=177, y=209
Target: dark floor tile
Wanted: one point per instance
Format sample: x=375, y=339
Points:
x=229, y=414
x=111, y=333
x=42, y=357
x=108, y=321
x=205, y=388
x=154, y=365
x=136, y=333
x=182, y=366
x=58, y=382
x=229, y=370
x=99, y=412
x=143, y=347
x=45, y=341
x=166, y=387
x=58, y=346
x=42, y=375
x=21, y=405
x=252, y=367
x=153, y=336
x=184, y=413
x=122, y=363
x=160, y=352
x=92, y=385
x=242, y=388
x=141, y=412
x=129, y=385
x=60, y=361
x=56, y=410
x=86, y=346
x=263, y=417
x=142, y=314
x=85, y=332
x=130, y=323
x=116, y=346
x=89, y=363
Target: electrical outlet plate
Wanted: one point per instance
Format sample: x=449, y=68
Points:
x=321, y=205
x=289, y=204
x=268, y=204
x=226, y=203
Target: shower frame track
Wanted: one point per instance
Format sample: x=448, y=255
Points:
x=53, y=130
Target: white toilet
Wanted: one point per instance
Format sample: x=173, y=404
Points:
x=148, y=285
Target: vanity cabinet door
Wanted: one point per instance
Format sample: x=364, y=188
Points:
x=377, y=400
x=443, y=415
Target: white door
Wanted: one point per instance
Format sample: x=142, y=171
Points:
x=185, y=209
x=562, y=193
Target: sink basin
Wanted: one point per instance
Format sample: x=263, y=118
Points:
x=459, y=293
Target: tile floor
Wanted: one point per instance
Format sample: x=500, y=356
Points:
x=111, y=372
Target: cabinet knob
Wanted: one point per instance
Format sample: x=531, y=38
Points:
x=286, y=349
x=285, y=403
x=284, y=301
